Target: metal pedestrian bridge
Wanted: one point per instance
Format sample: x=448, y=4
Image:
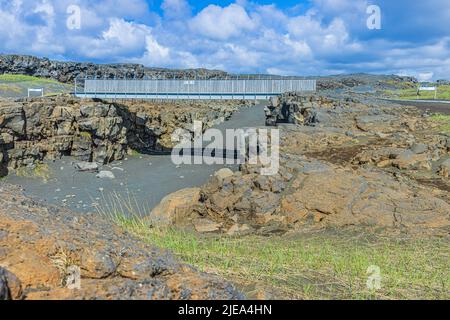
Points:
x=205, y=89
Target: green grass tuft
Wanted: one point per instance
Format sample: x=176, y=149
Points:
x=443, y=93
x=327, y=265
x=11, y=78
x=16, y=85
x=86, y=134
x=443, y=120
x=133, y=153
x=10, y=88
x=40, y=171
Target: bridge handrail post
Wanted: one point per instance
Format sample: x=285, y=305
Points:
x=95, y=81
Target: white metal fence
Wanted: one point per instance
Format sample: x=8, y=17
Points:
x=193, y=89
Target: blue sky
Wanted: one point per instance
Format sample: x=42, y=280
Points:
x=306, y=37
x=199, y=5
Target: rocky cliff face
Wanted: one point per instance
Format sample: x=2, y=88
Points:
x=94, y=130
x=66, y=72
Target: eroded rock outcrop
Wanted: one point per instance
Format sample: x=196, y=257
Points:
x=349, y=132
x=342, y=163
x=94, y=130
x=314, y=194
x=40, y=246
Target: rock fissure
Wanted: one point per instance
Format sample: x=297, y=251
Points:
x=33, y=130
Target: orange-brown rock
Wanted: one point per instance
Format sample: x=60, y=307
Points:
x=41, y=247
x=175, y=208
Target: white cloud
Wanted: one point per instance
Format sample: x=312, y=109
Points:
x=155, y=52
x=299, y=47
x=46, y=8
x=119, y=41
x=425, y=76
x=222, y=23
x=125, y=34
x=324, y=39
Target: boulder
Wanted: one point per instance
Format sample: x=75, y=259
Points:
x=206, y=225
x=85, y=166
x=223, y=174
x=105, y=175
x=274, y=101
x=6, y=138
x=444, y=169
x=10, y=286
x=175, y=207
x=97, y=263
x=12, y=117
x=237, y=229
x=409, y=159
x=419, y=148
x=405, y=159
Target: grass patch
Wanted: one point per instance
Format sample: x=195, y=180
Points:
x=51, y=94
x=10, y=88
x=11, y=78
x=17, y=85
x=320, y=266
x=86, y=135
x=134, y=153
x=40, y=171
x=443, y=93
x=400, y=84
x=443, y=120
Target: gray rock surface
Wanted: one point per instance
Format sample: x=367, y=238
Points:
x=445, y=168
x=105, y=175
x=87, y=166
x=10, y=286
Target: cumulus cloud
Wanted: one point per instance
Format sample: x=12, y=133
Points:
x=122, y=39
x=318, y=37
x=222, y=23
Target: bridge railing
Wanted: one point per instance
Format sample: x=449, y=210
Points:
x=188, y=88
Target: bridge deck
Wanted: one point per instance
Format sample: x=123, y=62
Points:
x=192, y=89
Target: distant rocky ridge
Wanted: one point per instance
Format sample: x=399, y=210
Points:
x=370, y=81
x=66, y=72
